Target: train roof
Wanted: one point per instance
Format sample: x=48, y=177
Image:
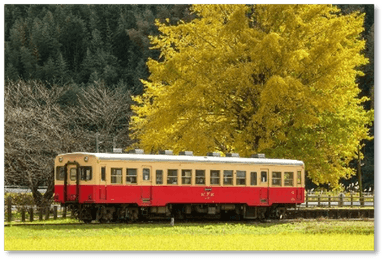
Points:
x=188, y=159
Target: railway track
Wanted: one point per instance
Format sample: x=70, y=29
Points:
x=296, y=215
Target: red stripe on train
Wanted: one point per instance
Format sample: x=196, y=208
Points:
x=163, y=195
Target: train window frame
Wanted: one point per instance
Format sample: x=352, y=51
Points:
x=146, y=173
x=84, y=175
x=103, y=173
x=288, y=182
x=199, y=177
x=60, y=173
x=171, y=178
x=72, y=174
x=114, y=175
x=131, y=176
x=159, y=180
x=276, y=180
x=228, y=181
x=185, y=178
x=298, y=177
x=215, y=178
x=243, y=179
x=264, y=176
x=253, y=180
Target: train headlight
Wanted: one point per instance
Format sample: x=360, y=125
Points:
x=60, y=159
x=86, y=159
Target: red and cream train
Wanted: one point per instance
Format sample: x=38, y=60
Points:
x=109, y=187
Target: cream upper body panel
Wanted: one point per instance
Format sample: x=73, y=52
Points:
x=115, y=164
x=185, y=158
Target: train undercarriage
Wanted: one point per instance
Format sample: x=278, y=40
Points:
x=110, y=213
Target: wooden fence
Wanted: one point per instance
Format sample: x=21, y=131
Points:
x=352, y=200
x=34, y=213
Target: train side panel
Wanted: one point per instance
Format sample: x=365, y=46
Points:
x=163, y=195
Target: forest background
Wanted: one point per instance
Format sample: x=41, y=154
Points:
x=71, y=72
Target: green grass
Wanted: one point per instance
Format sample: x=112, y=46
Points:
x=328, y=235
x=67, y=220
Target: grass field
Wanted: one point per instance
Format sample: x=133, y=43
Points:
x=316, y=235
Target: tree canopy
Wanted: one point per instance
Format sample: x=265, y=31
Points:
x=276, y=79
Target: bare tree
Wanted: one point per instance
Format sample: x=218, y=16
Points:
x=106, y=112
x=34, y=133
x=36, y=129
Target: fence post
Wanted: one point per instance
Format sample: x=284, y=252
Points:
x=306, y=200
x=318, y=201
x=329, y=201
x=54, y=212
x=23, y=214
x=64, y=212
x=46, y=213
x=351, y=200
x=341, y=203
x=31, y=214
x=9, y=209
x=362, y=201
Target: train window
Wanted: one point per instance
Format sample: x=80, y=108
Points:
x=264, y=176
x=215, y=177
x=73, y=173
x=200, y=177
x=253, y=178
x=60, y=173
x=298, y=177
x=288, y=178
x=86, y=173
x=102, y=173
x=172, y=177
x=276, y=178
x=228, y=177
x=240, y=177
x=186, y=176
x=116, y=175
x=159, y=176
x=146, y=174
x=131, y=177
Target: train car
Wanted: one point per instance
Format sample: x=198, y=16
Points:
x=109, y=187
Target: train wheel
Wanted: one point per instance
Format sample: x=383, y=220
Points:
x=261, y=213
x=75, y=213
x=281, y=212
x=86, y=215
x=103, y=221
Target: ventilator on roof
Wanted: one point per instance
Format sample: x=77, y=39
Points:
x=213, y=154
x=232, y=155
x=189, y=153
x=136, y=151
x=166, y=152
x=259, y=155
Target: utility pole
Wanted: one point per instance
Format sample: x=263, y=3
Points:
x=359, y=174
x=97, y=142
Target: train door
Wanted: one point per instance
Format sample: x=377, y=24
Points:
x=103, y=182
x=146, y=183
x=264, y=184
x=71, y=182
x=299, y=184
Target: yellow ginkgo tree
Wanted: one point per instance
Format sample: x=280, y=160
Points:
x=273, y=79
